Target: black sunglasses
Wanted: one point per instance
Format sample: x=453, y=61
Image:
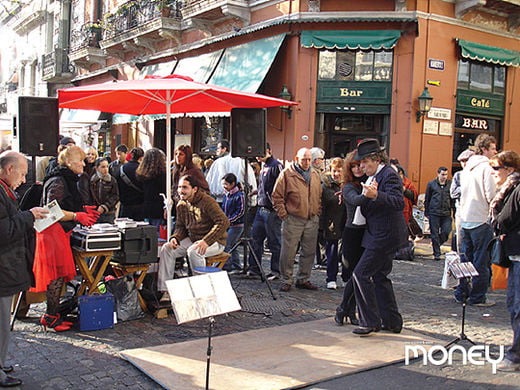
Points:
x=497, y=167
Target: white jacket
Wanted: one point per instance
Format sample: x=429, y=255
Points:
x=477, y=190
x=227, y=164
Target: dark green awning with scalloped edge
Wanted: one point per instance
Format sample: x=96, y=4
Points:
x=347, y=39
x=492, y=54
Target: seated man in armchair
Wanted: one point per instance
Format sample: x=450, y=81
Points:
x=200, y=231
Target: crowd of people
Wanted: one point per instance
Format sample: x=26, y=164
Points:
x=355, y=213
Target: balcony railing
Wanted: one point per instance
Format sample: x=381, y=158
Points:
x=88, y=35
x=56, y=65
x=135, y=13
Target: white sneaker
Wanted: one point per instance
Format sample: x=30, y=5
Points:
x=332, y=285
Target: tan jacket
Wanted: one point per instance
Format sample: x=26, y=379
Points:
x=292, y=195
x=202, y=219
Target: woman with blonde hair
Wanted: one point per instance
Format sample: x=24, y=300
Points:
x=53, y=262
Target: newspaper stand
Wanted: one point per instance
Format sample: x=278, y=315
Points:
x=465, y=270
x=202, y=296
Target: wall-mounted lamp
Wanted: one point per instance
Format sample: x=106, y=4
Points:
x=285, y=95
x=425, y=103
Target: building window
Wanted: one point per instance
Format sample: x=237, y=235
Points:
x=355, y=65
x=209, y=132
x=477, y=76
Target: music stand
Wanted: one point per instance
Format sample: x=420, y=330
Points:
x=202, y=296
x=245, y=239
x=464, y=271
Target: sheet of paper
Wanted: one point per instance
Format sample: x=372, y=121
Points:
x=202, y=296
x=55, y=214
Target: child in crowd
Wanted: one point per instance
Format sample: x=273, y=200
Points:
x=104, y=191
x=233, y=206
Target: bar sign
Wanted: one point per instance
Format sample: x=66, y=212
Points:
x=436, y=64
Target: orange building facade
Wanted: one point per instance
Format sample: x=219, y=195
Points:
x=356, y=70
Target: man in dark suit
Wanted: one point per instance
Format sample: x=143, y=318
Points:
x=386, y=231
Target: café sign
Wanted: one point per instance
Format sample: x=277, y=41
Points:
x=480, y=102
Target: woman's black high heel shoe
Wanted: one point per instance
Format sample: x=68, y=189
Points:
x=339, y=318
x=353, y=319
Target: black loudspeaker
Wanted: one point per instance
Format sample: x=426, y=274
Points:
x=37, y=129
x=248, y=132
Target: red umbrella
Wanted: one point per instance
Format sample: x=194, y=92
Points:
x=162, y=95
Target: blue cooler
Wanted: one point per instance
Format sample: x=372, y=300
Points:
x=96, y=311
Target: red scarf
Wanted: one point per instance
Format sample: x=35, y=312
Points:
x=10, y=193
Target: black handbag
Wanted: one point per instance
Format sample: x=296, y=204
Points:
x=497, y=254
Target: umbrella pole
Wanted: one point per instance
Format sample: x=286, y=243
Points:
x=168, y=168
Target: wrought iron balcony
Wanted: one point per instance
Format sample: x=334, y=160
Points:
x=84, y=46
x=56, y=66
x=88, y=35
x=138, y=26
x=137, y=13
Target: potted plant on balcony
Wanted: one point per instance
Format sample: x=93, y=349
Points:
x=166, y=7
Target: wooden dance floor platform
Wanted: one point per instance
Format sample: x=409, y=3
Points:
x=273, y=358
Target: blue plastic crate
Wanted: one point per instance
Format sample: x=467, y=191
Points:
x=96, y=311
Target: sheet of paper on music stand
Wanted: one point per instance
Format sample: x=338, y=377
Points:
x=202, y=296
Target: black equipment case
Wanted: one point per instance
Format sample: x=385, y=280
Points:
x=138, y=246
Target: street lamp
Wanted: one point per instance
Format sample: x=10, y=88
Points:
x=425, y=103
x=285, y=95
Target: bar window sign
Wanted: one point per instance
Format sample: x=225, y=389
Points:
x=475, y=123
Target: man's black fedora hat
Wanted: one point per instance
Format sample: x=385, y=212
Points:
x=367, y=147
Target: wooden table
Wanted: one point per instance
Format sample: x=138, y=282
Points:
x=92, y=274
x=126, y=269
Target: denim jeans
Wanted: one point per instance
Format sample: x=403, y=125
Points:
x=474, y=246
x=233, y=235
x=333, y=260
x=266, y=225
x=440, y=228
x=513, y=305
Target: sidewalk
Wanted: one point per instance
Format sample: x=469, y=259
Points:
x=89, y=360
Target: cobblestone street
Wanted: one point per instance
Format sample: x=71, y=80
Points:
x=89, y=360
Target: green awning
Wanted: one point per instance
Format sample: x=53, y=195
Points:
x=492, y=54
x=200, y=67
x=347, y=39
x=244, y=67
x=160, y=69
